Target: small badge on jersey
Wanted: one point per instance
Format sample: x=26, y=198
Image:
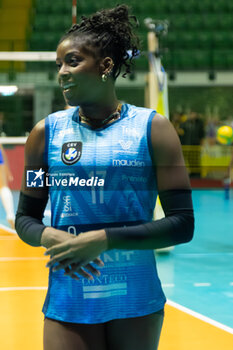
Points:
x=71, y=152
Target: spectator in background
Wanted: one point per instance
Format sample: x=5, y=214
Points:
x=193, y=135
x=178, y=119
x=211, y=130
x=193, y=130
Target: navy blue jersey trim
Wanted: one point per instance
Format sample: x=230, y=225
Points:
x=149, y=133
x=75, y=115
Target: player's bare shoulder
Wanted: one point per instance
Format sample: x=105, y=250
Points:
x=162, y=131
x=165, y=141
x=34, y=148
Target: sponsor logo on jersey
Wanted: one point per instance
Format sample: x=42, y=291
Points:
x=65, y=132
x=128, y=162
x=68, y=215
x=71, y=152
x=126, y=131
x=125, y=144
x=105, y=286
x=67, y=208
x=67, y=204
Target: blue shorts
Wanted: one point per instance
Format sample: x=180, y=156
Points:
x=1, y=158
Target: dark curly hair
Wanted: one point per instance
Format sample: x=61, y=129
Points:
x=111, y=32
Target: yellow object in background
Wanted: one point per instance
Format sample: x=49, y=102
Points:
x=225, y=135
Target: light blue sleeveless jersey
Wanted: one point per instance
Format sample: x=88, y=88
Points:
x=117, y=155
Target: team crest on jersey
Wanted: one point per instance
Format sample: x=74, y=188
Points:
x=71, y=152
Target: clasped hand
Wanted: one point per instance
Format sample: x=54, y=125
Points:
x=76, y=253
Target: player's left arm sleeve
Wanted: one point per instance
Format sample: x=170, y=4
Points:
x=177, y=226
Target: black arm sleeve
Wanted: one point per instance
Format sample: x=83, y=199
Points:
x=177, y=226
x=28, y=222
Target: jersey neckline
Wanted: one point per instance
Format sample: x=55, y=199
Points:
x=75, y=118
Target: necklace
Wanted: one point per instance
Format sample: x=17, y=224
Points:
x=114, y=115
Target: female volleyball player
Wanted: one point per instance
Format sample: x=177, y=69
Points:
x=5, y=192
x=119, y=305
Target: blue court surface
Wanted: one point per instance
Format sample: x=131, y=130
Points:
x=199, y=275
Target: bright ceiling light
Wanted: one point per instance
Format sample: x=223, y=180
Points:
x=8, y=90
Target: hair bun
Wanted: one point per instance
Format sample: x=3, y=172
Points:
x=111, y=31
x=120, y=12
x=110, y=19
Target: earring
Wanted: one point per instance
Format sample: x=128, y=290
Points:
x=104, y=77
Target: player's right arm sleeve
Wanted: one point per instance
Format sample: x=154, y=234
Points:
x=28, y=222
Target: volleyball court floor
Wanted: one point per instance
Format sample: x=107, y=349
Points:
x=197, y=279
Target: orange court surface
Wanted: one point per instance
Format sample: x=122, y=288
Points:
x=23, y=287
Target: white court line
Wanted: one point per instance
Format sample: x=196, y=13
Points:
x=203, y=284
x=3, y=259
x=12, y=289
x=193, y=255
x=200, y=316
x=8, y=229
